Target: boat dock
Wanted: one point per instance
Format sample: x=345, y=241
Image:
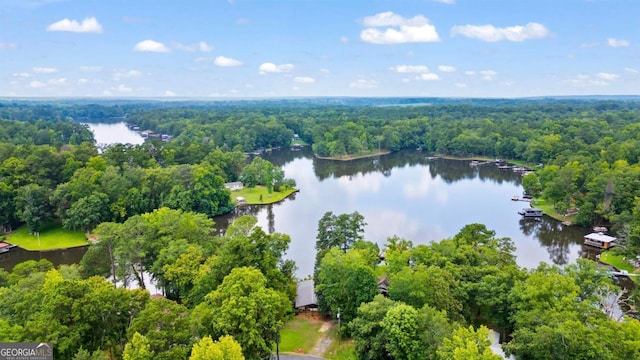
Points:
x=5, y=247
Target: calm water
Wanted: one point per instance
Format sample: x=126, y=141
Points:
x=407, y=195
x=115, y=133
x=402, y=194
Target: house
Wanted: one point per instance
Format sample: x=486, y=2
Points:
x=233, y=186
x=599, y=240
x=383, y=286
x=306, y=299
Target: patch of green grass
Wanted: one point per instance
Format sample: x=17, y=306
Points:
x=300, y=333
x=549, y=210
x=259, y=195
x=345, y=349
x=609, y=258
x=52, y=236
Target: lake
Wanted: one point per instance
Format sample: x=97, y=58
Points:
x=106, y=134
x=408, y=195
x=403, y=194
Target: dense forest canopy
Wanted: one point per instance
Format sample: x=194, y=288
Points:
x=151, y=207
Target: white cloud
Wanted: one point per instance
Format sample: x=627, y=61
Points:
x=428, y=77
x=151, y=46
x=399, y=30
x=88, y=25
x=446, y=68
x=59, y=81
x=273, y=68
x=344, y=39
x=631, y=71
x=491, y=33
x=224, y=61
x=460, y=85
x=469, y=72
x=607, y=76
x=363, y=84
x=169, y=93
x=583, y=80
x=21, y=75
x=406, y=34
x=89, y=69
x=201, y=46
x=7, y=46
x=325, y=71
x=37, y=84
x=488, y=74
x=304, y=79
x=618, y=42
x=124, y=89
x=126, y=74
x=409, y=68
x=44, y=70
x=82, y=81
x=450, y=2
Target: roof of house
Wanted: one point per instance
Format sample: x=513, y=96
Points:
x=306, y=294
x=600, y=237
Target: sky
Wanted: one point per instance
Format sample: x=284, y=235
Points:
x=307, y=48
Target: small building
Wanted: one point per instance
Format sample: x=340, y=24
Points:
x=306, y=299
x=234, y=186
x=531, y=212
x=241, y=201
x=383, y=286
x=599, y=240
x=5, y=247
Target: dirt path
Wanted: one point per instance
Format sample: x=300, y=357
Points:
x=322, y=346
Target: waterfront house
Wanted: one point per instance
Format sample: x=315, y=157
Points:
x=599, y=240
x=234, y=186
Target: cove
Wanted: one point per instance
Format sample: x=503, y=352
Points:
x=407, y=195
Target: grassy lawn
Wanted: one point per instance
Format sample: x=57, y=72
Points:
x=260, y=195
x=300, y=333
x=618, y=261
x=549, y=210
x=340, y=350
x=52, y=236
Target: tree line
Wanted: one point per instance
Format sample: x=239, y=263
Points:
x=442, y=298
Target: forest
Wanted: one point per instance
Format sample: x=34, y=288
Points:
x=151, y=205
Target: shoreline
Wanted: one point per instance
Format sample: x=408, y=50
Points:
x=352, y=157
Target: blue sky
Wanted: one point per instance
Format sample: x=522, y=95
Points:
x=285, y=48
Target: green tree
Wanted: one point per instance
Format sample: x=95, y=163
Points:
x=226, y=348
x=366, y=329
x=244, y=307
x=165, y=325
x=87, y=212
x=468, y=344
x=344, y=281
x=138, y=349
x=415, y=334
x=32, y=205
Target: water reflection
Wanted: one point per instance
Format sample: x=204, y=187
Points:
x=408, y=195
x=403, y=194
x=57, y=257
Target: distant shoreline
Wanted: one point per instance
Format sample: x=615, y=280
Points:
x=350, y=157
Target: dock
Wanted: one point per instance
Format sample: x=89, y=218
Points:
x=5, y=246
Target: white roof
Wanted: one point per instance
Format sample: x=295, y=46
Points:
x=306, y=294
x=600, y=237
